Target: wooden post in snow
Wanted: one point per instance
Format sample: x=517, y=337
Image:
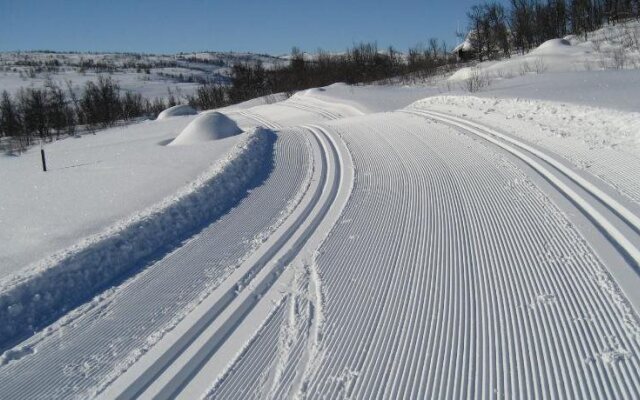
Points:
x=44, y=161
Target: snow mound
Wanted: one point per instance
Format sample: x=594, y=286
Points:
x=554, y=46
x=177, y=111
x=559, y=47
x=61, y=282
x=207, y=127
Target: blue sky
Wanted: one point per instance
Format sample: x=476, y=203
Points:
x=266, y=26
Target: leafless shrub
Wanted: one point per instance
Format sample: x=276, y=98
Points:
x=597, y=45
x=525, y=68
x=540, y=66
x=632, y=36
x=476, y=81
x=619, y=58
x=602, y=60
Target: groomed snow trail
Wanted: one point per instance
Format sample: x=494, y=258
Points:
x=453, y=272
x=84, y=352
x=212, y=349
x=399, y=255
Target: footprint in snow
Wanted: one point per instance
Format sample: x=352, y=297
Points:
x=544, y=299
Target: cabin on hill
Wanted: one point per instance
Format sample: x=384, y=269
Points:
x=465, y=51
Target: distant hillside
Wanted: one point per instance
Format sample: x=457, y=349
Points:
x=151, y=75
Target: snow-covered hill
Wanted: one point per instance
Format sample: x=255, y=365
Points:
x=611, y=47
x=148, y=74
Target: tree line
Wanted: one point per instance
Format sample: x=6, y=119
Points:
x=496, y=30
x=363, y=63
x=49, y=112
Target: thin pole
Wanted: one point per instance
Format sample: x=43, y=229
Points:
x=44, y=161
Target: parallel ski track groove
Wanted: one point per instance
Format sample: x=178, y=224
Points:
x=489, y=335
x=138, y=325
x=311, y=108
x=515, y=147
x=244, y=378
x=329, y=155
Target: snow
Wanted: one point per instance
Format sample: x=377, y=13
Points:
x=403, y=242
x=355, y=100
x=93, y=181
x=602, y=141
x=177, y=111
x=179, y=73
x=554, y=47
x=612, y=47
x=464, y=46
x=611, y=89
x=207, y=127
x=37, y=294
x=148, y=86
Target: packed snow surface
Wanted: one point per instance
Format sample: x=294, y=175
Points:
x=176, y=111
x=207, y=127
x=403, y=243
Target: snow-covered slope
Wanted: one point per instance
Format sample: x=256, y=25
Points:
x=611, y=47
x=151, y=75
x=454, y=246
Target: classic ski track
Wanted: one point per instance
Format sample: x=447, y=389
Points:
x=306, y=339
x=528, y=154
x=75, y=331
x=292, y=355
x=184, y=367
x=506, y=328
x=434, y=280
x=267, y=123
x=248, y=377
x=311, y=108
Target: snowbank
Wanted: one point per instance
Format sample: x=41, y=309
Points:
x=177, y=111
x=34, y=297
x=601, y=142
x=207, y=127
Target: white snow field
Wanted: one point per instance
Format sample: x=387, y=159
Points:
x=382, y=242
x=92, y=182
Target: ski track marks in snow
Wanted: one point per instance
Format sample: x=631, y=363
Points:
x=184, y=371
x=38, y=295
x=419, y=258
x=97, y=347
x=529, y=155
x=605, y=143
x=454, y=276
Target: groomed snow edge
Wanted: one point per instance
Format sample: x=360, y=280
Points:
x=49, y=288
